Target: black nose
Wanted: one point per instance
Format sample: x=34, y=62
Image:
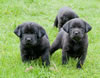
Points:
x=76, y=33
x=28, y=39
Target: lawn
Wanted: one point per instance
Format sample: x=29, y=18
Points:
x=43, y=12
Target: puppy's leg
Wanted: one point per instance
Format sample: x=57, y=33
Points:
x=65, y=57
x=57, y=43
x=55, y=46
x=56, y=22
x=81, y=60
x=25, y=58
x=45, y=58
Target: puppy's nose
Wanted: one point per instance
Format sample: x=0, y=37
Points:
x=76, y=33
x=28, y=39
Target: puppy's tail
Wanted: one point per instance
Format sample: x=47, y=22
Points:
x=56, y=22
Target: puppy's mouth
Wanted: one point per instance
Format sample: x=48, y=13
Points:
x=28, y=44
x=76, y=38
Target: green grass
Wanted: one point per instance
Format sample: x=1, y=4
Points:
x=43, y=12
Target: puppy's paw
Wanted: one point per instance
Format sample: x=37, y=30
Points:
x=79, y=66
x=26, y=61
x=47, y=63
x=64, y=62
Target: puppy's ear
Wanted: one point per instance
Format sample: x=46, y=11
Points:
x=87, y=27
x=41, y=32
x=56, y=22
x=17, y=31
x=66, y=27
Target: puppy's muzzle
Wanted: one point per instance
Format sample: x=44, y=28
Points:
x=28, y=40
x=76, y=33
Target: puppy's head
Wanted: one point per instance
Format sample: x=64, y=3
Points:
x=76, y=28
x=68, y=16
x=29, y=33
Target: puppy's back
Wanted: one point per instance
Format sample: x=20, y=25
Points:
x=67, y=11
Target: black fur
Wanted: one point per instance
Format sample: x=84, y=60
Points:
x=33, y=42
x=64, y=15
x=73, y=41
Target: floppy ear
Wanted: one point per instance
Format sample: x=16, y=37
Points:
x=17, y=31
x=87, y=27
x=56, y=22
x=66, y=27
x=41, y=32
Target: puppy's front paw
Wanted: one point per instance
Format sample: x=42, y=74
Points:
x=64, y=62
x=79, y=66
x=47, y=63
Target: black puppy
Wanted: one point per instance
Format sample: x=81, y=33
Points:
x=64, y=15
x=73, y=41
x=33, y=42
